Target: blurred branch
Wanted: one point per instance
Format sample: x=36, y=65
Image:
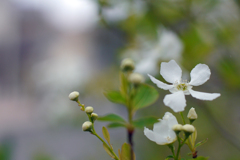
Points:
x=232, y=139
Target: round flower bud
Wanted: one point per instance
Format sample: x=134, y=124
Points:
x=74, y=96
x=127, y=64
x=136, y=78
x=192, y=115
x=89, y=109
x=188, y=128
x=94, y=116
x=177, y=127
x=87, y=126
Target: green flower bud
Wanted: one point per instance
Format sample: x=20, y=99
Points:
x=89, y=109
x=127, y=65
x=87, y=126
x=74, y=96
x=94, y=116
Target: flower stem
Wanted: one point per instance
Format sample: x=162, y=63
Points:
x=182, y=117
x=180, y=144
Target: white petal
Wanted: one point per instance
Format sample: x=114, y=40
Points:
x=203, y=95
x=199, y=74
x=175, y=101
x=161, y=128
x=171, y=71
x=171, y=119
x=160, y=84
x=149, y=134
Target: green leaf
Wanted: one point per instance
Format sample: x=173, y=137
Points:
x=115, y=97
x=200, y=158
x=169, y=157
x=111, y=118
x=106, y=134
x=115, y=125
x=107, y=150
x=123, y=84
x=145, y=96
x=145, y=121
x=201, y=143
x=126, y=152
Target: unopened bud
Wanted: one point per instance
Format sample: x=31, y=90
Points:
x=74, y=96
x=94, y=116
x=127, y=64
x=188, y=129
x=89, y=110
x=87, y=126
x=192, y=115
x=136, y=78
x=177, y=128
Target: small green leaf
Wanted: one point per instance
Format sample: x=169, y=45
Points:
x=126, y=152
x=111, y=118
x=123, y=84
x=115, y=125
x=169, y=157
x=145, y=96
x=107, y=150
x=115, y=97
x=201, y=143
x=106, y=134
x=200, y=158
x=145, y=121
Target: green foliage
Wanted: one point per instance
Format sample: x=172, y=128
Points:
x=145, y=96
x=111, y=118
x=115, y=97
x=201, y=143
x=145, y=121
x=107, y=150
x=200, y=158
x=169, y=157
x=126, y=152
x=106, y=135
x=116, y=125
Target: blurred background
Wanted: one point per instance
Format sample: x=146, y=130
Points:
x=51, y=48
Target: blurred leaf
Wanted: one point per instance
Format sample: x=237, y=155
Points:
x=169, y=157
x=201, y=143
x=106, y=135
x=123, y=85
x=111, y=118
x=145, y=96
x=145, y=121
x=200, y=158
x=107, y=150
x=126, y=152
x=115, y=97
x=115, y=125
x=119, y=153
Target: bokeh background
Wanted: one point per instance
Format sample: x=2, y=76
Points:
x=50, y=48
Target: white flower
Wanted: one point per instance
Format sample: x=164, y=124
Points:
x=162, y=132
x=172, y=73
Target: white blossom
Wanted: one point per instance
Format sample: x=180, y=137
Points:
x=162, y=132
x=172, y=73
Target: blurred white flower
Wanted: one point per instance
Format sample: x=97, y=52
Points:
x=168, y=47
x=162, y=132
x=172, y=73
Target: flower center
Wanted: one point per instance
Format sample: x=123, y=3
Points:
x=168, y=139
x=181, y=85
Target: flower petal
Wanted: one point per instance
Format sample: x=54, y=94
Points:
x=171, y=71
x=161, y=128
x=203, y=95
x=171, y=119
x=153, y=136
x=175, y=101
x=199, y=74
x=160, y=84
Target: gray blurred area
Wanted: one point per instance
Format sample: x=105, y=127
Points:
x=47, y=50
